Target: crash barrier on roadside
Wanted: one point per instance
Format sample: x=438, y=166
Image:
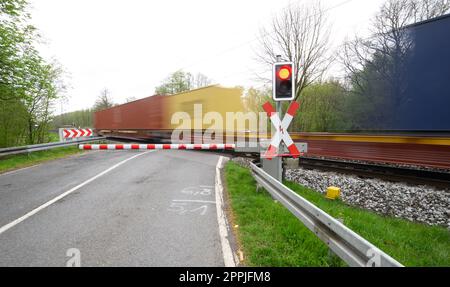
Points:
x=345, y=243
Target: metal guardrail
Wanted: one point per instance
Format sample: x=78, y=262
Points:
x=345, y=243
x=45, y=146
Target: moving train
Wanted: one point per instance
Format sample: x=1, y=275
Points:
x=154, y=118
x=425, y=109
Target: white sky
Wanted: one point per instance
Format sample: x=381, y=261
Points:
x=131, y=46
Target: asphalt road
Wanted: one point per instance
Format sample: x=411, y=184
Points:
x=157, y=209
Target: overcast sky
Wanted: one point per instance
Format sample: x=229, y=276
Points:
x=130, y=46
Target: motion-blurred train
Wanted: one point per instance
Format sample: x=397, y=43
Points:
x=422, y=123
x=153, y=118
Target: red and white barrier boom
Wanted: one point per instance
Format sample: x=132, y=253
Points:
x=157, y=146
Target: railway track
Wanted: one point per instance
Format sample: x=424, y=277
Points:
x=415, y=150
x=372, y=154
x=431, y=151
x=417, y=176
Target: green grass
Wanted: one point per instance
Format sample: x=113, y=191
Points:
x=271, y=236
x=23, y=160
x=53, y=137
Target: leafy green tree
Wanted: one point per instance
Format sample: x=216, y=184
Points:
x=81, y=118
x=255, y=98
x=28, y=84
x=322, y=107
x=12, y=7
x=177, y=82
x=181, y=81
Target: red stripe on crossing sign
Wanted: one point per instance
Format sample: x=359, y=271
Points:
x=269, y=109
x=293, y=108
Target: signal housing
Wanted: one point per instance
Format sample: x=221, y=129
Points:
x=283, y=81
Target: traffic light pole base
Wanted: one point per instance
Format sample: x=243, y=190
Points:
x=273, y=167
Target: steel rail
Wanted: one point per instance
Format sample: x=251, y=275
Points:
x=396, y=173
x=45, y=146
x=345, y=243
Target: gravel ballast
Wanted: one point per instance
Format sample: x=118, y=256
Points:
x=417, y=203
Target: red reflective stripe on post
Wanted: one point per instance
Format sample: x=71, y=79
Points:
x=271, y=152
x=293, y=108
x=150, y=146
x=197, y=146
x=87, y=146
x=213, y=147
x=167, y=146
x=134, y=146
x=181, y=146
x=269, y=109
x=119, y=146
x=294, y=151
x=103, y=146
x=229, y=146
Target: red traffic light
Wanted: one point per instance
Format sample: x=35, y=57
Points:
x=284, y=72
x=283, y=81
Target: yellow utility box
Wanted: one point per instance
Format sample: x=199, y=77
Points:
x=333, y=192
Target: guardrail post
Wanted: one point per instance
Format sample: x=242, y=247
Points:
x=61, y=136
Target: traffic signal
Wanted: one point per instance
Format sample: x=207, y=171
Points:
x=283, y=82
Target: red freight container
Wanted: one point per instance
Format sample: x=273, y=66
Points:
x=143, y=114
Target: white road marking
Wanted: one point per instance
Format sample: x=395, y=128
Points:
x=199, y=201
x=203, y=209
x=36, y=210
x=204, y=190
x=227, y=252
x=180, y=208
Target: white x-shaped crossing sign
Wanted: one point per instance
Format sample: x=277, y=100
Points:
x=281, y=133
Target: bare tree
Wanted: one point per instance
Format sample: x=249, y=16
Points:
x=201, y=80
x=389, y=39
x=427, y=9
x=104, y=101
x=300, y=33
x=377, y=66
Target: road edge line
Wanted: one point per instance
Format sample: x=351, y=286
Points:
x=59, y=197
x=228, y=257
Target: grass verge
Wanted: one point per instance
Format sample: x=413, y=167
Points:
x=271, y=236
x=24, y=160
